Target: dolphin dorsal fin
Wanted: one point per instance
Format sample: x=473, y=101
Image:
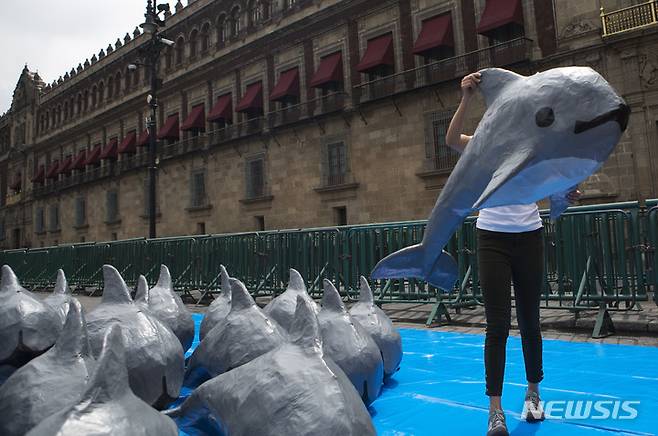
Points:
x=61, y=285
x=142, y=294
x=225, y=281
x=164, y=281
x=114, y=289
x=494, y=81
x=365, y=293
x=110, y=380
x=240, y=298
x=74, y=340
x=305, y=330
x=331, y=298
x=296, y=282
x=9, y=281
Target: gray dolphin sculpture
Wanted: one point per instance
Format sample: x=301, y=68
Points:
x=243, y=335
x=540, y=136
x=282, y=308
x=219, y=308
x=50, y=382
x=165, y=304
x=61, y=297
x=154, y=354
x=28, y=327
x=293, y=390
x=108, y=407
x=350, y=345
x=380, y=327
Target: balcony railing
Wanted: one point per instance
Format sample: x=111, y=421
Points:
x=179, y=148
x=630, y=18
x=503, y=54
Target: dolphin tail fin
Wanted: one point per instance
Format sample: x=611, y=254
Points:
x=404, y=263
x=445, y=272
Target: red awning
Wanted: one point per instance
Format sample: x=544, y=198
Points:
x=196, y=119
x=222, y=110
x=16, y=184
x=170, y=128
x=436, y=32
x=110, y=149
x=79, y=161
x=498, y=13
x=378, y=53
x=288, y=85
x=40, y=175
x=52, y=170
x=65, y=166
x=94, y=156
x=329, y=71
x=128, y=143
x=252, y=99
x=143, y=139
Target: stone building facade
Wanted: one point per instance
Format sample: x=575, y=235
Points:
x=288, y=114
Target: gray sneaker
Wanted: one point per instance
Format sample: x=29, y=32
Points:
x=497, y=425
x=532, y=408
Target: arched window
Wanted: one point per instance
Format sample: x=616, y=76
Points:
x=205, y=35
x=222, y=24
x=193, y=43
x=59, y=115
x=79, y=110
x=235, y=22
x=85, y=100
x=168, y=58
x=47, y=120
x=287, y=4
x=66, y=110
x=117, y=84
x=264, y=6
x=135, y=77
x=94, y=96
x=101, y=92
x=110, y=88
x=255, y=16
x=71, y=107
x=180, y=49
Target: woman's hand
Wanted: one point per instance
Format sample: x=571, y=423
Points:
x=469, y=85
x=574, y=196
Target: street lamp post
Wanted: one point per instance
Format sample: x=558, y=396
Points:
x=150, y=52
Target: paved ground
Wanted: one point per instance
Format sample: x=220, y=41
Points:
x=633, y=328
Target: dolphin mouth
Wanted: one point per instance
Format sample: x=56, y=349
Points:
x=620, y=115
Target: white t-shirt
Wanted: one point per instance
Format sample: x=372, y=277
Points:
x=510, y=219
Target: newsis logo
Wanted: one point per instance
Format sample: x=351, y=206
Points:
x=579, y=410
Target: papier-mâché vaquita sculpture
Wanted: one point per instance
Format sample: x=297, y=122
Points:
x=380, y=327
x=243, y=335
x=293, y=390
x=348, y=344
x=540, y=136
x=49, y=382
x=28, y=327
x=108, y=407
x=153, y=353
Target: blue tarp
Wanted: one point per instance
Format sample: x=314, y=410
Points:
x=440, y=388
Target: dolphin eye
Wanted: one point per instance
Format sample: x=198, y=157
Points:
x=545, y=117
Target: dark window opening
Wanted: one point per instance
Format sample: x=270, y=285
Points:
x=505, y=33
x=200, y=228
x=260, y=223
x=340, y=216
x=337, y=163
x=255, y=178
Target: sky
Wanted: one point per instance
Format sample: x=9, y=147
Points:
x=54, y=36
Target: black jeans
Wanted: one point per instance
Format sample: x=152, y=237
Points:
x=503, y=257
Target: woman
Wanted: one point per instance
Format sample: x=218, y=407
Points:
x=510, y=247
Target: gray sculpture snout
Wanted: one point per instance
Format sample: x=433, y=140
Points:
x=620, y=115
